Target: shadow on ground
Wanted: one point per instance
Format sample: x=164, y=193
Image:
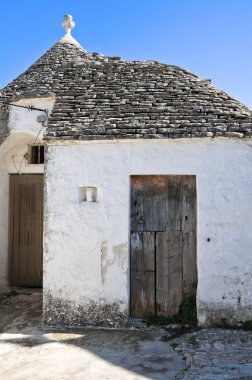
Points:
x=29, y=352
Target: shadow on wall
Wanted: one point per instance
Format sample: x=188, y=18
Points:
x=15, y=141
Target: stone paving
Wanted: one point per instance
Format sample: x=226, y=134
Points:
x=28, y=351
x=215, y=354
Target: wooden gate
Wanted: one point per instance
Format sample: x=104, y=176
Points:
x=163, y=243
x=26, y=229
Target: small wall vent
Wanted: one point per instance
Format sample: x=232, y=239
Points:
x=88, y=194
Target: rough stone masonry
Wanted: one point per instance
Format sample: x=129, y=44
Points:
x=99, y=97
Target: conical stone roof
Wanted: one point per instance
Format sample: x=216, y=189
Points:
x=42, y=78
x=112, y=99
x=100, y=97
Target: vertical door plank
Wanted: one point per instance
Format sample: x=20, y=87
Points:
x=175, y=272
x=10, y=227
x=35, y=246
x=174, y=199
x=148, y=205
x=14, y=228
x=24, y=224
x=189, y=236
x=142, y=274
x=40, y=210
x=162, y=273
x=189, y=264
x=137, y=194
x=169, y=261
x=189, y=203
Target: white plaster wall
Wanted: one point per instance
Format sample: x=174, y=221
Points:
x=24, y=130
x=86, y=244
x=25, y=121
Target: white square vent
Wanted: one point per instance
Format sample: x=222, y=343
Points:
x=88, y=194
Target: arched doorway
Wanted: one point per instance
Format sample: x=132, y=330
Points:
x=21, y=205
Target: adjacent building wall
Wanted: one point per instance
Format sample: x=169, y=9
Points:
x=86, y=244
x=24, y=130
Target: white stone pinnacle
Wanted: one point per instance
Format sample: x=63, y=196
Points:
x=68, y=24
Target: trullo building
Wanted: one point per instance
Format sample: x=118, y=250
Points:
x=125, y=189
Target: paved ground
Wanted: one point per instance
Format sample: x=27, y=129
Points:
x=216, y=354
x=28, y=352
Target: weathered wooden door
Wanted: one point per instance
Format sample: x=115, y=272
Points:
x=26, y=229
x=163, y=243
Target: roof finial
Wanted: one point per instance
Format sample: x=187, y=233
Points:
x=68, y=23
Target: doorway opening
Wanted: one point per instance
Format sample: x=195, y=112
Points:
x=162, y=243
x=26, y=230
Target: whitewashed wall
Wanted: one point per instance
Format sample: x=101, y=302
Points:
x=24, y=129
x=86, y=257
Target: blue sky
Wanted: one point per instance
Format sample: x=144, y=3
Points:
x=208, y=37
